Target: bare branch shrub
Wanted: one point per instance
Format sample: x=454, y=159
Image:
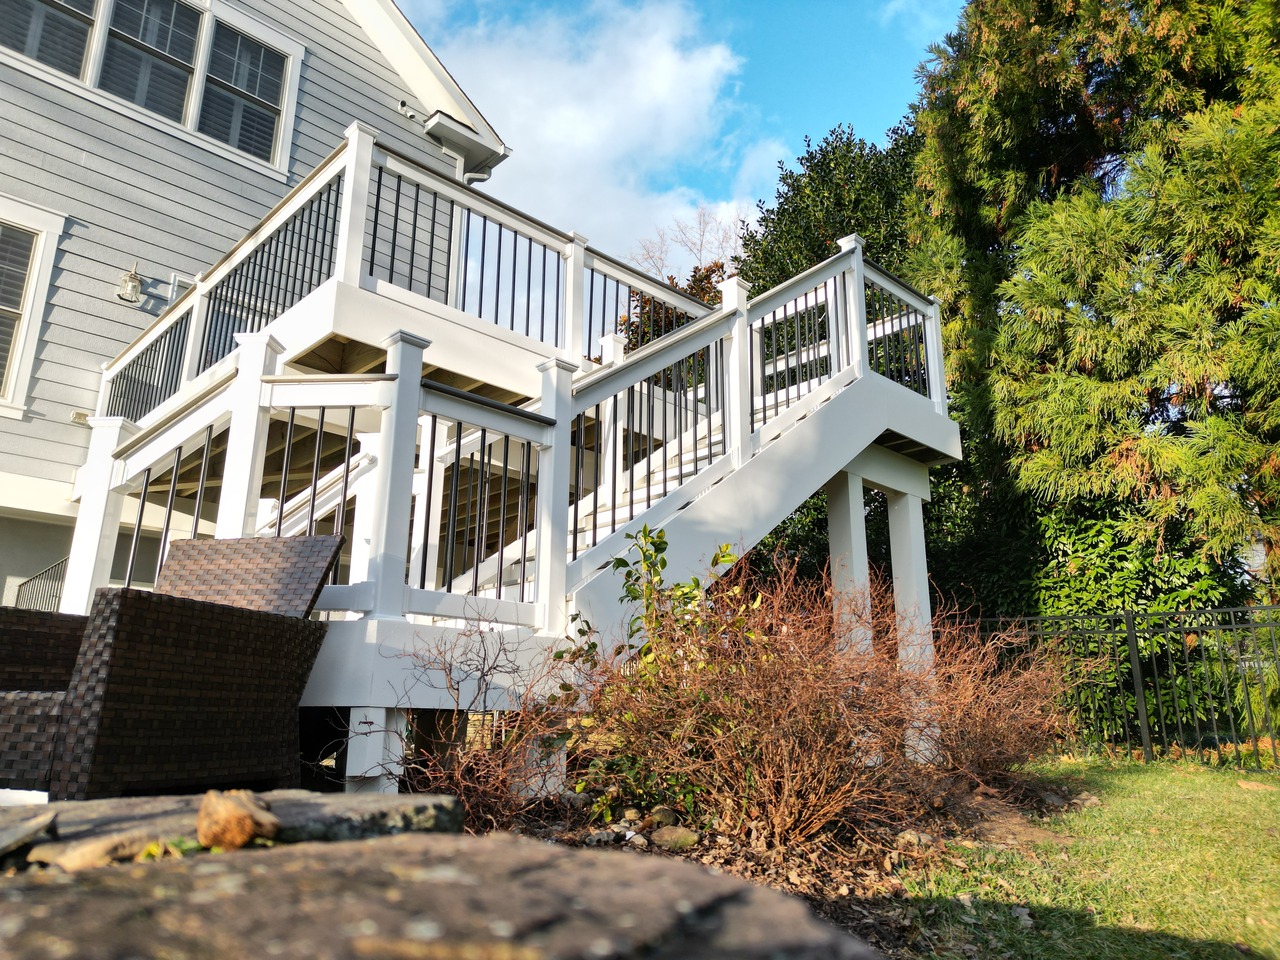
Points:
x=497, y=742
x=740, y=704
x=999, y=700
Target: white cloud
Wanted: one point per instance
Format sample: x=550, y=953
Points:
x=924, y=21
x=602, y=107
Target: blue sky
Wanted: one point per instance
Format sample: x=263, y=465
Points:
x=627, y=115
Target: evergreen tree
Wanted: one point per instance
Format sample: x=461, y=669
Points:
x=1032, y=112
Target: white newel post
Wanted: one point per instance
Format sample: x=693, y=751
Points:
x=850, y=572
x=936, y=371
x=195, y=331
x=553, y=494
x=738, y=404
x=258, y=354
x=93, y=545
x=855, y=297
x=395, y=449
x=575, y=298
x=348, y=262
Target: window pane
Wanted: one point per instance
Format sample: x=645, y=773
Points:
x=62, y=42
x=44, y=32
x=246, y=64
x=240, y=122
x=15, y=23
x=15, y=260
x=165, y=25
x=144, y=79
x=8, y=326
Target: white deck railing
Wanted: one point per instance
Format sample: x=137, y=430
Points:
x=369, y=216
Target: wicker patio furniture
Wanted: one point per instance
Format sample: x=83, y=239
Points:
x=195, y=685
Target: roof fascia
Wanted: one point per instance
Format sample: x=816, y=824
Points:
x=424, y=74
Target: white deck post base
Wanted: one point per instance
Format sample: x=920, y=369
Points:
x=375, y=750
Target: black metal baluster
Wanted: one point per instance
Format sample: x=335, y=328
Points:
x=284, y=470
x=502, y=512
x=482, y=512
x=162, y=550
x=315, y=472
x=430, y=524
x=377, y=211
x=526, y=484
x=395, y=233
x=204, y=474
x=137, y=528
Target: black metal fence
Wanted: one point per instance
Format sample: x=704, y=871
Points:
x=1195, y=684
x=44, y=590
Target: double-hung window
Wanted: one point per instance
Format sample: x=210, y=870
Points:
x=150, y=54
x=241, y=104
x=198, y=64
x=28, y=239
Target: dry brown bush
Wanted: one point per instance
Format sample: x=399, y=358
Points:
x=765, y=707
x=999, y=701
x=740, y=704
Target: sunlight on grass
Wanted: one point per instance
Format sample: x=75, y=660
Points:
x=1180, y=861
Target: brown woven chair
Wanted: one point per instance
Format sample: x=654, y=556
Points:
x=193, y=686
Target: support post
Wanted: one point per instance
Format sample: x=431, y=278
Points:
x=349, y=247
x=914, y=617
x=850, y=572
x=246, y=436
x=737, y=412
x=93, y=544
x=553, y=494
x=575, y=299
x=396, y=448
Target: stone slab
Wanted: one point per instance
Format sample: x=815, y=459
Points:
x=423, y=896
x=303, y=815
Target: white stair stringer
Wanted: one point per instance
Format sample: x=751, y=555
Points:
x=740, y=506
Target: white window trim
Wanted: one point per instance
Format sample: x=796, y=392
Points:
x=48, y=226
x=210, y=10
x=177, y=280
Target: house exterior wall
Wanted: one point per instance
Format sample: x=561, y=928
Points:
x=127, y=186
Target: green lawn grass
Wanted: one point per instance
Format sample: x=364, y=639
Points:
x=1180, y=861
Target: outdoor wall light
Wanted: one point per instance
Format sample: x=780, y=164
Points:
x=130, y=288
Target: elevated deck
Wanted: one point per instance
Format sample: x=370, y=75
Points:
x=486, y=407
